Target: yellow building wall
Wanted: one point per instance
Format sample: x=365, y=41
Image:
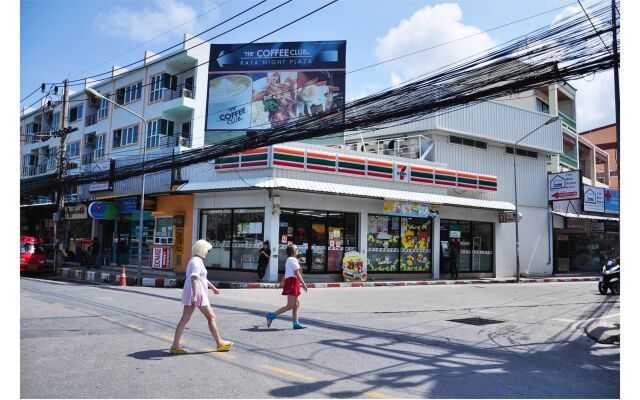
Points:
x=179, y=205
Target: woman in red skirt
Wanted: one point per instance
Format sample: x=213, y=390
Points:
x=290, y=287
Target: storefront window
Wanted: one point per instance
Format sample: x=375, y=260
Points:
x=247, y=238
x=287, y=223
x=475, y=240
x=217, y=230
x=482, y=247
x=415, y=249
x=383, y=240
x=163, y=231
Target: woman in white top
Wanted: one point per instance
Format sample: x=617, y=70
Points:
x=195, y=294
x=290, y=285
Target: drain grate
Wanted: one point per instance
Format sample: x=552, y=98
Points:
x=476, y=321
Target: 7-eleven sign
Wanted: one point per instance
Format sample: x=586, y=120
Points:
x=401, y=172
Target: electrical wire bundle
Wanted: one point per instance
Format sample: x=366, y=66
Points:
x=570, y=49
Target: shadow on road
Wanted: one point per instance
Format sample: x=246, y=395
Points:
x=155, y=355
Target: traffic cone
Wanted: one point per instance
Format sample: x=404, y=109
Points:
x=123, y=277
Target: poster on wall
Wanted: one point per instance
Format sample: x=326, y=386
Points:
x=611, y=201
x=564, y=186
x=161, y=257
x=593, y=199
x=406, y=209
x=354, y=267
x=266, y=85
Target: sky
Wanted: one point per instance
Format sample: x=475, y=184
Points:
x=74, y=39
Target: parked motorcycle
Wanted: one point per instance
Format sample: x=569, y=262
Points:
x=610, y=278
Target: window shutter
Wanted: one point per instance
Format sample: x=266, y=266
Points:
x=116, y=137
x=174, y=82
x=186, y=129
x=170, y=128
x=120, y=96
x=166, y=80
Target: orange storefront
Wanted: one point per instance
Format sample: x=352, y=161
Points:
x=171, y=248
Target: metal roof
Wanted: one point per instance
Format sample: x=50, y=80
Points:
x=584, y=216
x=340, y=189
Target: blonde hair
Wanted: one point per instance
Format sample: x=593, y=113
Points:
x=292, y=249
x=201, y=248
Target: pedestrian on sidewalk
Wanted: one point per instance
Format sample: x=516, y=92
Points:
x=453, y=259
x=195, y=294
x=290, y=287
x=95, y=252
x=263, y=259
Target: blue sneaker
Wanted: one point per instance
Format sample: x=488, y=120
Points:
x=298, y=325
x=270, y=317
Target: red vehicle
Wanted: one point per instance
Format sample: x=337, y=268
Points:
x=32, y=255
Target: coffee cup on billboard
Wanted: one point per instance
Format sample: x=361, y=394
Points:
x=229, y=102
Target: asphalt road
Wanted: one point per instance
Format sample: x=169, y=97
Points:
x=84, y=341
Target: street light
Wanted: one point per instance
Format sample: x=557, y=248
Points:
x=515, y=189
x=92, y=92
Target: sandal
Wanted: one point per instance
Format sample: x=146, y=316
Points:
x=226, y=346
x=177, y=350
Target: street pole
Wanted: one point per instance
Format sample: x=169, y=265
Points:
x=616, y=83
x=515, y=190
x=58, y=226
x=92, y=92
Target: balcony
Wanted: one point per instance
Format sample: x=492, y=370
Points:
x=90, y=119
x=52, y=163
x=569, y=160
x=172, y=141
x=178, y=103
x=181, y=91
x=567, y=122
x=87, y=159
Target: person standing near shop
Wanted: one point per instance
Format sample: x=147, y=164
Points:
x=263, y=259
x=195, y=294
x=290, y=287
x=95, y=252
x=453, y=259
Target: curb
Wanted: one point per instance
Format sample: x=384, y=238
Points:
x=73, y=274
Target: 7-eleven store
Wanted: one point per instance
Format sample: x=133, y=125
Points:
x=398, y=212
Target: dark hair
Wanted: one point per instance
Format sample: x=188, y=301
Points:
x=291, y=249
x=266, y=242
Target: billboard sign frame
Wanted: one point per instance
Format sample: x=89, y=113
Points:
x=564, y=186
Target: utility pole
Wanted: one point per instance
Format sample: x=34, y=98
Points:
x=616, y=82
x=59, y=224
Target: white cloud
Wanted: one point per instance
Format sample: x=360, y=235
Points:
x=595, y=101
x=427, y=27
x=139, y=25
x=567, y=12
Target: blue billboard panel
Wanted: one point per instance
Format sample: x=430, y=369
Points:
x=611, y=201
x=265, y=85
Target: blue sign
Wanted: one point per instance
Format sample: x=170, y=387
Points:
x=261, y=86
x=128, y=205
x=611, y=201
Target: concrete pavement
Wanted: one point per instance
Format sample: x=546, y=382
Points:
x=104, y=341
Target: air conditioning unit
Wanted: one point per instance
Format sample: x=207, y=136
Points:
x=90, y=140
x=94, y=101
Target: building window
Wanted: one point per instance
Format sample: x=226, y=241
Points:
x=541, y=106
x=103, y=109
x=55, y=121
x=28, y=163
x=75, y=113
x=32, y=131
x=99, y=150
x=125, y=136
x=163, y=233
x=467, y=142
x=155, y=93
x=475, y=245
x=153, y=133
x=522, y=152
x=129, y=93
x=73, y=149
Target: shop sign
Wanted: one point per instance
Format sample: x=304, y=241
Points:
x=353, y=267
x=179, y=247
x=178, y=221
x=103, y=210
x=593, y=199
x=161, y=258
x=454, y=235
x=132, y=204
x=597, y=226
x=564, y=185
x=611, y=201
x=75, y=212
x=575, y=223
x=98, y=186
x=509, y=216
x=406, y=209
x=611, y=226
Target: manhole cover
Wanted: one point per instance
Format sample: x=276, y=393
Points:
x=476, y=321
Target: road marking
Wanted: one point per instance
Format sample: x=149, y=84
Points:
x=376, y=395
x=586, y=319
x=107, y=318
x=59, y=304
x=288, y=373
x=134, y=327
x=222, y=354
x=170, y=339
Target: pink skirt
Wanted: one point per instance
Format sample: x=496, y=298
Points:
x=291, y=287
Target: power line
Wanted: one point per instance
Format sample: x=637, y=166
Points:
x=594, y=28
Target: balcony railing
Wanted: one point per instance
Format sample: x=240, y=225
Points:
x=91, y=120
x=569, y=160
x=87, y=159
x=28, y=170
x=567, y=121
x=52, y=163
x=181, y=91
x=42, y=168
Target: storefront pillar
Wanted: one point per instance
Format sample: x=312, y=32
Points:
x=362, y=234
x=271, y=232
x=435, y=246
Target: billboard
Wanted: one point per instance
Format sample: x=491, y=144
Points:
x=611, y=201
x=564, y=186
x=266, y=85
x=593, y=199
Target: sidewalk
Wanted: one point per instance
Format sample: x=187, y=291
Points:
x=155, y=278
